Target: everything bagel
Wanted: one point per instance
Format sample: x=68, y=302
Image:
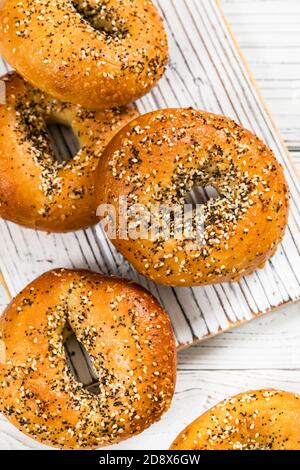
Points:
x=128, y=337
x=99, y=54
x=256, y=420
x=158, y=158
x=35, y=189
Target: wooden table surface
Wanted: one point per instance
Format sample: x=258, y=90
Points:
x=266, y=352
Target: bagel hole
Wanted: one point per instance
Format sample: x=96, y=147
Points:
x=79, y=362
x=101, y=18
x=63, y=140
x=201, y=194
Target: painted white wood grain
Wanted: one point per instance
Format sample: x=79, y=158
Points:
x=253, y=345
x=206, y=72
x=218, y=82
x=268, y=32
x=270, y=342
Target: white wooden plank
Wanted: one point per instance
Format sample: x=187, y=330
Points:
x=205, y=71
x=284, y=58
x=296, y=158
x=263, y=9
x=271, y=342
x=261, y=28
x=196, y=391
x=268, y=342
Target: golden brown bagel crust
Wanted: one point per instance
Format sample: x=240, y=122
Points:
x=35, y=190
x=256, y=420
x=129, y=339
x=159, y=157
x=53, y=46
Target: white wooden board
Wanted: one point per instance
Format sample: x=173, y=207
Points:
x=271, y=342
x=205, y=71
x=268, y=32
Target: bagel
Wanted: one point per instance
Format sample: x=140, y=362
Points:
x=99, y=54
x=157, y=159
x=256, y=420
x=35, y=189
x=131, y=345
